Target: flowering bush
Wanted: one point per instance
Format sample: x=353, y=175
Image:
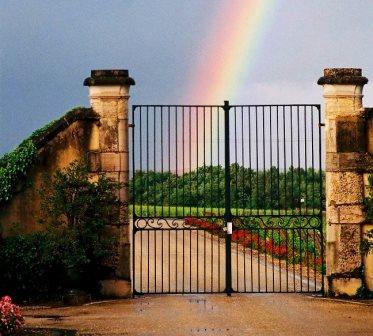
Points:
x=11, y=319
x=201, y=223
x=247, y=238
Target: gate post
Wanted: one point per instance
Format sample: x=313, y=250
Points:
x=109, y=154
x=345, y=146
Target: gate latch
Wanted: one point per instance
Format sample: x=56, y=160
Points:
x=229, y=228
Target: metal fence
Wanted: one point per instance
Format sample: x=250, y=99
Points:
x=227, y=198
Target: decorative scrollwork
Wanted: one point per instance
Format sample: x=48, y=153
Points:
x=283, y=222
x=155, y=223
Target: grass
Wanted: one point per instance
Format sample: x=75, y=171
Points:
x=147, y=210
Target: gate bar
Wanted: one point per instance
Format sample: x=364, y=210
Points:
x=228, y=212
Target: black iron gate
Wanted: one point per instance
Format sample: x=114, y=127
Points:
x=227, y=198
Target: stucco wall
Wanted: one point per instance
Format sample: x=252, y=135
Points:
x=22, y=213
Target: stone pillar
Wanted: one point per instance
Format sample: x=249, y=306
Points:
x=345, y=148
x=109, y=94
x=368, y=260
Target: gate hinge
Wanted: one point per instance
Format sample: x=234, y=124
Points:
x=131, y=125
x=321, y=124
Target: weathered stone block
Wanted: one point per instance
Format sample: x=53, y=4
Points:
x=346, y=214
x=346, y=286
x=110, y=162
x=350, y=134
x=369, y=133
x=344, y=188
x=108, y=135
x=349, y=256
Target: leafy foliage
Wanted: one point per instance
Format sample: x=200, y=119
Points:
x=14, y=166
x=76, y=211
x=250, y=189
x=367, y=241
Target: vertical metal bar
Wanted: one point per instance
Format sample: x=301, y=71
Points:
x=197, y=163
x=177, y=201
x=183, y=153
x=190, y=260
x=154, y=199
x=141, y=171
x=183, y=261
x=147, y=159
x=273, y=262
x=265, y=258
x=299, y=172
x=154, y=163
x=301, y=260
x=251, y=261
x=162, y=198
x=211, y=168
x=162, y=191
x=257, y=160
x=287, y=260
x=190, y=161
x=235, y=161
x=285, y=166
x=270, y=160
x=305, y=161
x=308, y=261
x=250, y=171
x=218, y=155
x=148, y=274
x=176, y=259
x=204, y=161
x=133, y=204
x=169, y=261
x=162, y=260
x=169, y=161
x=237, y=268
x=176, y=163
x=227, y=213
x=264, y=173
x=321, y=205
x=155, y=261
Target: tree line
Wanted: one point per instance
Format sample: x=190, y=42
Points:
x=250, y=189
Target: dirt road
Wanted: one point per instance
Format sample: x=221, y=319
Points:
x=216, y=314
x=182, y=261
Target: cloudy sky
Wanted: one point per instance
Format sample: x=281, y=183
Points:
x=48, y=47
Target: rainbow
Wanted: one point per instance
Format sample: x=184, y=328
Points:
x=228, y=52
x=223, y=63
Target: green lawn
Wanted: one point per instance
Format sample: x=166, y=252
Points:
x=180, y=211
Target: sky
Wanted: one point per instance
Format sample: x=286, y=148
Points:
x=178, y=52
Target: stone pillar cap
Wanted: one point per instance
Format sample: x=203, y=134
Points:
x=109, y=77
x=342, y=76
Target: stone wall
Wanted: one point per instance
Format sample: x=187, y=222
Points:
x=56, y=150
x=101, y=135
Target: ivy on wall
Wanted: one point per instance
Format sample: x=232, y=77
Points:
x=15, y=165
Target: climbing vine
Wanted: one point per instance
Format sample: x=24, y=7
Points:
x=366, y=245
x=367, y=241
x=15, y=165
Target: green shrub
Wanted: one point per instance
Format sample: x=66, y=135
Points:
x=72, y=250
x=30, y=266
